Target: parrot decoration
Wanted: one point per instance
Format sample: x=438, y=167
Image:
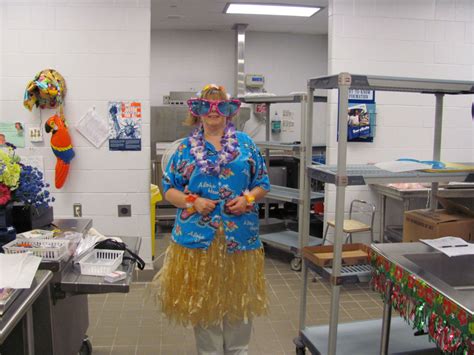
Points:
x=62, y=147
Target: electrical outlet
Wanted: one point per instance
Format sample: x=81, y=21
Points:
x=35, y=134
x=77, y=209
x=124, y=210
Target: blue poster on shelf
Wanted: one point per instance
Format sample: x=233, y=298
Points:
x=361, y=116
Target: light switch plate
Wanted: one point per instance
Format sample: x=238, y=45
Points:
x=77, y=209
x=35, y=134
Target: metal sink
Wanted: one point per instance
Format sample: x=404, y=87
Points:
x=457, y=271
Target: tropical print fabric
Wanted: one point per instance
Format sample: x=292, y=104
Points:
x=246, y=171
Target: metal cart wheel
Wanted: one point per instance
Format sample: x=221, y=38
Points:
x=300, y=348
x=295, y=263
x=86, y=347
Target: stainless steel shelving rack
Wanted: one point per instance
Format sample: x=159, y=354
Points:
x=343, y=175
x=287, y=239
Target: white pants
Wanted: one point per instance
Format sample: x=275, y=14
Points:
x=228, y=339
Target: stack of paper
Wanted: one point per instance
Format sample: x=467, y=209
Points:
x=451, y=246
x=18, y=270
x=397, y=166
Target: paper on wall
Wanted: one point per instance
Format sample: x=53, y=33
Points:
x=93, y=127
x=288, y=121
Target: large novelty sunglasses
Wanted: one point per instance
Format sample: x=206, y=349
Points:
x=201, y=107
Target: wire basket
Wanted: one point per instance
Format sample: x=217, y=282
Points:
x=47, y=249
x=101, y=262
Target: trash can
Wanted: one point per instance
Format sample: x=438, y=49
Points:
x=155, y=196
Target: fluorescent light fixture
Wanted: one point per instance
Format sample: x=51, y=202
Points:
x=271, y=9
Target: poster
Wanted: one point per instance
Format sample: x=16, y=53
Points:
x=288, y=121
x=12, y=132
x=361, y=116
x=125, y=123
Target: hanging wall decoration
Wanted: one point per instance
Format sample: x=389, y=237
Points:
x=47, y=91
x=62, y=147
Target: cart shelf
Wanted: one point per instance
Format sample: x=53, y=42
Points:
x=287, y=238
x=388, y=83
x=288, y=194
x=279, y=99
x=363, y=338
x=362, y=174
x=295, y=148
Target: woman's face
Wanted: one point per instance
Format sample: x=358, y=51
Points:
x=213, y=120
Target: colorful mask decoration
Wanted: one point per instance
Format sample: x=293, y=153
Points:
x=62, y=148
x=46, y=90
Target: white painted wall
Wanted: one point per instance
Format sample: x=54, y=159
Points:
x=188, y=60
x=103, y=51
x=419, y=38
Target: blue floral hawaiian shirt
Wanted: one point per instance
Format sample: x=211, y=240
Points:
x=246, y=171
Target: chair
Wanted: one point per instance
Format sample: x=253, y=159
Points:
x=352, y=226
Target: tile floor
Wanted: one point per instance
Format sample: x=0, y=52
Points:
x=127, y=324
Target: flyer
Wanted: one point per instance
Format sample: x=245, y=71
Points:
x=125, y=121
x=12, y=132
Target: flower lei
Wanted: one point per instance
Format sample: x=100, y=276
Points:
x=224, y=156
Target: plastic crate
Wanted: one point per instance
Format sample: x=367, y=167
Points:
x=101, y=262
x=48, y=249
x=36, y=234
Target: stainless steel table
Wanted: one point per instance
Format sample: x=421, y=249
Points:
x=451, y=277
x=73, y=282
x=407, y=197
x=21, y=310
x=68, y=304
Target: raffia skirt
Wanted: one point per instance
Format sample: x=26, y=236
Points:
x=201, y=287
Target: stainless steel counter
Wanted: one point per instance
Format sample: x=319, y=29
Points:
x=72, y=281
x=21, y=309
x=452, y=277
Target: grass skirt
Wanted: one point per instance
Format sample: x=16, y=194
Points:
x=201, y=287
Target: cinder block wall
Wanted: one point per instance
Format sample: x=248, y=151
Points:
x=103, y=50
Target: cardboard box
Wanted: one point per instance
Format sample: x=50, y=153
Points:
x=352, y=254
x=427, y=224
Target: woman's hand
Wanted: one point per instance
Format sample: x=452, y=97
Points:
x=238, y=205
x=204, y=206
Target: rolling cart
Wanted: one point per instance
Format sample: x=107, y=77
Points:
x=342, y=176
x=61, y=315
x=284, y=238
x=17, y=334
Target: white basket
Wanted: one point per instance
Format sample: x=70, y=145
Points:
x=101, y=262
x=36, y=234
x=48, y=249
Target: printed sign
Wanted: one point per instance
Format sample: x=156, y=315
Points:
x=361, y=95
x=125, y=120
x=12, y=132
x=288, y=121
